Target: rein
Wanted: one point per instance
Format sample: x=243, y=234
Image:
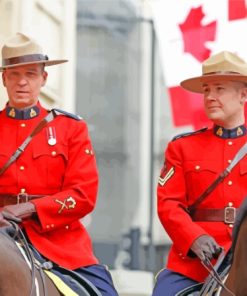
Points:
x=20, y=237
x=215, y=275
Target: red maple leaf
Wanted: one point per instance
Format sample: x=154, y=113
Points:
x=237, y=9
x=195, y=34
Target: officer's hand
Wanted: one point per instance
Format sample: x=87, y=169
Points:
x=206, y=247
x=22, y=210
x=3, y=221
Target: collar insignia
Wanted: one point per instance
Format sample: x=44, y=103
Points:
x=32, y=113
x=219, y=132
x=230, y=133
x=12, y=113
x=239, y=132
x=22, y=114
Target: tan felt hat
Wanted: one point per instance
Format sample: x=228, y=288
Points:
x=22, y=50
x=222, y=66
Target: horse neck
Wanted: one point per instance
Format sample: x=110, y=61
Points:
x=237, y=278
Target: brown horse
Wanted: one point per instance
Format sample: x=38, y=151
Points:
x=21, y=274
x=230, y=277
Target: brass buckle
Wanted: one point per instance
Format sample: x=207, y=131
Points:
x=229, y=215
x=21, y=197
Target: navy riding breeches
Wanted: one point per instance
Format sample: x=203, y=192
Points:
x=100, y=277
x=169, y=283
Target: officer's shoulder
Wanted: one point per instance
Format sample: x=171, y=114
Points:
x=67, y=114
x=183, y=135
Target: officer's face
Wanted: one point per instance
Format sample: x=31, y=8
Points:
x=23, y=84
x=224, y=102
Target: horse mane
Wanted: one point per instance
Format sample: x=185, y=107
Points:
x=242, y=213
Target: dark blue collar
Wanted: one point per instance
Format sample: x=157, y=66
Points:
x=22, y=114
x=224, y=133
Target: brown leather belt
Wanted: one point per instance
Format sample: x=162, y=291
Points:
x=12, y=199
x=226, y=215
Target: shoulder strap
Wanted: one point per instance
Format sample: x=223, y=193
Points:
x=51, y=115
x=189, y=133
x=68, y=114
x=240, y=154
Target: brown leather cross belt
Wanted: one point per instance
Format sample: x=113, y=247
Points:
x=226, y=215
x=13, y=199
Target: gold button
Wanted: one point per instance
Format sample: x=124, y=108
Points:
x=230, y=143
x=23, y=190
x=87, y=151
x=231, y=225
x=52, y=225
x=197, y=167
x=23, y=124
x=229, y=183
x=229, y=160
x=230, y=204
x=22, y=168
x=67, y=227
x=47, y=226
x=53, y=153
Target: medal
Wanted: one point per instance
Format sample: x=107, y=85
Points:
x=52, y=141
x=51, y=136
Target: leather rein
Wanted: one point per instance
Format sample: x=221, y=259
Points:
x=215, y=275
x=20, y=237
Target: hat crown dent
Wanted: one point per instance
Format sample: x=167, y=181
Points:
x=224, y=62
x=20, y=45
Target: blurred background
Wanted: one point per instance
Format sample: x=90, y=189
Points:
x=126, y=60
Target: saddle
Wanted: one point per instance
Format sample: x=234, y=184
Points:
x=64, y=279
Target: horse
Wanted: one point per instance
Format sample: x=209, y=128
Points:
x=229, y=276
x=22, y=274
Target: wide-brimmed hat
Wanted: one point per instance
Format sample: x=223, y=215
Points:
x=22, y=50
x=225, y=66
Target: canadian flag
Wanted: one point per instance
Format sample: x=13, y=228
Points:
x=188, y=32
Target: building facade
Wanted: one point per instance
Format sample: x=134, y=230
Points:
x=121, y=93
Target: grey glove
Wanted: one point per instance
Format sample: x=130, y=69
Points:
x=206, y=247
x=3, y=221
x=23, y=210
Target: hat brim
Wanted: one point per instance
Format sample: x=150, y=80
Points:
x=45, y=62
x=195, y=84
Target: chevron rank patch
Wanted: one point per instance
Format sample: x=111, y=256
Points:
x=166, y=175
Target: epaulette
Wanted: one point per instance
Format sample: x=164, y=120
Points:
x=68, y=114
x=189, y=133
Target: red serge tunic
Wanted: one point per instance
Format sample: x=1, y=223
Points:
x=65, y=173
x=192, y=163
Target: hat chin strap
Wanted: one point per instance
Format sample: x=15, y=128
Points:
x=24, y=59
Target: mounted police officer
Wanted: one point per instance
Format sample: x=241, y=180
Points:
x=51, y=180
x=197, y=213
